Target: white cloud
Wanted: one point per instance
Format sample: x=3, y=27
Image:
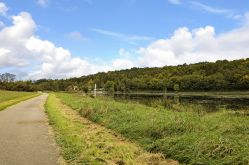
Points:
x=124, y=53
x=175, y=2
x=124, y=61
x=123, y=37
x=3, y=9
x=210, y=8
x=12, y=39
x=226, y=12
x=57, y=62
x=198, y=45
x=108, y=33
x=76, y=36
x=43, y=3
x=119, y=64
x=21, y=48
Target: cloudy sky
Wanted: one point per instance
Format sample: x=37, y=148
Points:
x=71, y=38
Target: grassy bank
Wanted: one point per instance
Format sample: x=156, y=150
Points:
x=83, y=142
x=8, y=98
x=189, y=137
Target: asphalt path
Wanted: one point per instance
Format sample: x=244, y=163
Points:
x=25, y=136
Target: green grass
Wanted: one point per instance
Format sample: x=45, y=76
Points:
x=8, y=98
x=191, y=138
x=83, y=142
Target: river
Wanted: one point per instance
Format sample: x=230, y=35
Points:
x=210, y=101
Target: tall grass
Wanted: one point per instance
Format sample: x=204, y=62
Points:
x=83, y=142
x=213, y=138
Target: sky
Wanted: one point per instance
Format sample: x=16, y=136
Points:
x=70, y=38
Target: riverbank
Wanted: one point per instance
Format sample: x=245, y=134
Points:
x=214, y=94
x=185, y=135
x=84, y=142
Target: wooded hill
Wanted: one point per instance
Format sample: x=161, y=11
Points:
x=204, y=76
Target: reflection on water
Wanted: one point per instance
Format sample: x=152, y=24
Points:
x=209, y=103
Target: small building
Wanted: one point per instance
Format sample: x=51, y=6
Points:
x=72, y=88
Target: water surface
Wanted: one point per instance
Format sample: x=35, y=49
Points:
x=210, y=103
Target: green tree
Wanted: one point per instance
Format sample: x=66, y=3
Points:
x=176, y=87
x=109, y=86
x=85, y=89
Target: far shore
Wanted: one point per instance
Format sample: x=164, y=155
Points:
x=215, y=94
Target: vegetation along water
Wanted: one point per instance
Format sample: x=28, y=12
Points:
x=183, y=133
x=83, y=142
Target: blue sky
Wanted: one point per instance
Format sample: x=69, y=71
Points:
x=128, y=32
x=155, y=19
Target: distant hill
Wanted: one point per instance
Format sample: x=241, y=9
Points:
x=204, y=76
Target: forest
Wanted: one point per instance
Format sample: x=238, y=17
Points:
x=221, y=75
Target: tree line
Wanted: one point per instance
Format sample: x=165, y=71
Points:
x=221, y=75
x=7, y=77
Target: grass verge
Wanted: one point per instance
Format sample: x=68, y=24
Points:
x=83, y=142
x=8, y=98
x=210, y=138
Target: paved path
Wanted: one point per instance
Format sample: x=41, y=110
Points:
x=24, y=135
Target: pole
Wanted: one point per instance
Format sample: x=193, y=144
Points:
x=95, y=90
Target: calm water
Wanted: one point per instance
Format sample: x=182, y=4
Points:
x=210, y=103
